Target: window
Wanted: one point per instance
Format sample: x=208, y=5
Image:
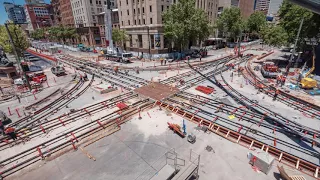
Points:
x=127, y=2
x=150, y=20
x=140, y=40
x=144, y=21
x=167, y=7
x=100, y=2
x=150, y=8
x=138, y=11
x=143, y=10
x=129, y=22
x=121, y=13
x=96, y=2
x=105, y=2
x=162, y=8
x=139, y=22
x=134, y=11
x=93, y=17
x=128, y=12
x=152, y=41
x=135, y=22
x=120, y=3
x=122, y=23
x=133, y=1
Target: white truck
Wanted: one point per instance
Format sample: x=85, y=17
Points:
x=121, y=57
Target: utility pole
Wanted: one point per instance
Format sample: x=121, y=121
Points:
x=17, y=56
x=108, y=25
x=294, y=47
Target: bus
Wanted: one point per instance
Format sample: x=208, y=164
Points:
x=217, y=43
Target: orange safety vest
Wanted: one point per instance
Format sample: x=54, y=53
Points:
x=277, y=91
x=9, y=130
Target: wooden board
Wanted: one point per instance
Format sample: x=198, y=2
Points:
x=157, y=91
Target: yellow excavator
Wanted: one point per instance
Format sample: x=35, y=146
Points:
x=306, y=82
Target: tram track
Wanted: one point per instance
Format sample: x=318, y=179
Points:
x=77, y=136
x=308, y=109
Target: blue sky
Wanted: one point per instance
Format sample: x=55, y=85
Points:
x=3, y=14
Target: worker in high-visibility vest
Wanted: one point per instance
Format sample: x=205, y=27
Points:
x=279, y=78
x=283, y=80
x=277, y=92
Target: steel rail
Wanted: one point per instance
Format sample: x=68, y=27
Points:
x=288, y=99
x=302, y=165
x=42, y=100
x=123, y=117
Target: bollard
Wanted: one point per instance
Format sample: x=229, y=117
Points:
x=42, y=129
x=148, y=114
x=34, y=95
x=9, y=111
x=275, y=142
x=17, y=111
x=274, y=130
x=140, y=114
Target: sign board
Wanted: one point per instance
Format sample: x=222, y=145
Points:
x=157, y=41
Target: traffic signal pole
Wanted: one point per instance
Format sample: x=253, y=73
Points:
x=17, y=56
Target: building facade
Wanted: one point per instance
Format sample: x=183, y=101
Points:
x=101, y=24
x=66, y=13
x=247, y=7
x=263, y=6
x=85, y=19
x=37, y=16
x=55, y=7
x=15, y=13
x=274, y=6
x=142, y=20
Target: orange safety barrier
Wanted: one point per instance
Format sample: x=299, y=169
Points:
x=204, y=89
x=121, y=105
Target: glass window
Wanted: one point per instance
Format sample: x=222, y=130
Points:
x=162, y=8
x=150, y=20
x=129, y=22
x=150, y=8
x=144, y=21
x=142, y=10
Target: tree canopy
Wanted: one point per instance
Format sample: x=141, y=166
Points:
x=230, y=22
x=119, y=36
x=183, y=22
x=274, y=35
x=56, y=33
x=256, y=22
x=18, y=36
x=290, y=17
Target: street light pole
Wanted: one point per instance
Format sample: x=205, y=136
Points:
x=17, y=56
x=148, y=32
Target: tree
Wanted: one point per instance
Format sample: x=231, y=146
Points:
x=62, y=33
x=38, y=34
x=119, y=36
x=256, y=22
x=185, y=24
x=290, y=18
x=274, y=35
x=18, y=36
x=230, y=22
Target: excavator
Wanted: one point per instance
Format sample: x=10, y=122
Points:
x=306, y=82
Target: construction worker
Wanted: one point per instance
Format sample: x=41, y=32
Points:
x=10, y=131
x=18, y=97
x=277, y=92
x=85, y=77
x=200, y=57
x=279, y=78
x=283, y=80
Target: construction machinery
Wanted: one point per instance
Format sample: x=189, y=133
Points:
x=306, y=82
x=176, y=129
x=269, y=70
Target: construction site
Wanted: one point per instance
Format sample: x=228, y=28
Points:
x=227, y=116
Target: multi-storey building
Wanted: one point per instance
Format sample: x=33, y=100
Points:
x=263, y=6
x=247, y=7
x=142, y=19
x=37, y=16
x=15, y=12
x=55, y=5
x=66, y=13
x=274, y=6
x=101, y=24
x=84, y=14
x=34, y=1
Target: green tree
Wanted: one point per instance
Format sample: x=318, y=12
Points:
x=256, y=22
x=119, y=36
x=290, y=17
x=38, y=34
x=230, y=23
x=185, y=24
x=61, y=33
x=19, y=39
x=274, y=35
